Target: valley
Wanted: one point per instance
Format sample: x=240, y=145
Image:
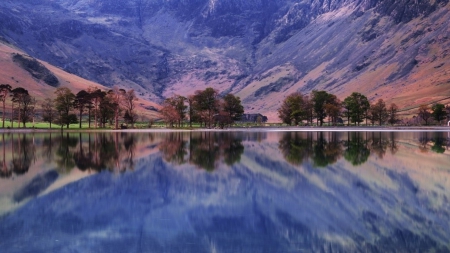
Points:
x=259, y=50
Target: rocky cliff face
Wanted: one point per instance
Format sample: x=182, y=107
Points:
x=259, y=49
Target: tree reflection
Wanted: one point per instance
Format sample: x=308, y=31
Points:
x=83, y=159
x=322, y=148
x=356, y=150
x=64, y=152
x=423, y=142
x=438, y=140
x=296, y=148
x=203, y=149
x=379, y=144
x=23, y=154
x=232, y=148
x=5, y=172
x=174, y=148
x=439, y=143
x=326, y=152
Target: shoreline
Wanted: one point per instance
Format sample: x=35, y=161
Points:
x=245, y=129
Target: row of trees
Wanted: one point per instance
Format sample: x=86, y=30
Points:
x=205, y=107
x=437, y=111
x=356, y=108
x=69, y=108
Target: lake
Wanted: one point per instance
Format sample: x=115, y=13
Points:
x=225, y=192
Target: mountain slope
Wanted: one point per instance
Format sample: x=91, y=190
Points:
x=14, y=74
x=262, y=50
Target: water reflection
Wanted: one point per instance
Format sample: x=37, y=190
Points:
x=226, y=192
x=207, y=150
x=203, y=149
x=325, y=148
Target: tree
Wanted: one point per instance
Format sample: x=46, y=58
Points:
x=48, y=111
x=174, y=109
x=293, y=109
x=169, y=113
x=116, y=96
x=96, y=96
x=106, y=110
x=379, y=112
x=424, y=113
x=439, y=112
x=193, y=115
x=232, y=107
x=129, y=102
x=356, y=105
x=393, y=114
x=5, y=89
x=19, y=95
x=81, y=102
x=26, y=112
x=333, y=108
x=207, y=104
x=64, y=103
x=320, y=99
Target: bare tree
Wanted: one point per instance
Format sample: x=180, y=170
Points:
x=129, y=102
x=393, y=114
x=48, y=111
x=424, y=113
x=116, y=95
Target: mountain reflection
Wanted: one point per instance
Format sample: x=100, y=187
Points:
x=175, y=196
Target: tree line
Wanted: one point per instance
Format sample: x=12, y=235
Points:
x=69, y=108
x=299, y=109
x=205, y=107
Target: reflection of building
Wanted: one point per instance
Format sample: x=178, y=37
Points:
x=253, y=117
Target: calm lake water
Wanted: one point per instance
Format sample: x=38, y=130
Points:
x=225, y=192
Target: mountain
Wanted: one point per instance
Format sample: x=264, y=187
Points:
x=261, y=50
x=41, y=78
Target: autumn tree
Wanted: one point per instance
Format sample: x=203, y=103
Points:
x=64, y=104
x=393, y=114
x=424, y=113
x=379, y=112
x=174, y=110
x=116, y=97
x=48, y=111
x=96, y=96
x=129, y=103
x=333, y=108
x=5, y=89
x=320, y=99
x=169, y=113
x=292, y=109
